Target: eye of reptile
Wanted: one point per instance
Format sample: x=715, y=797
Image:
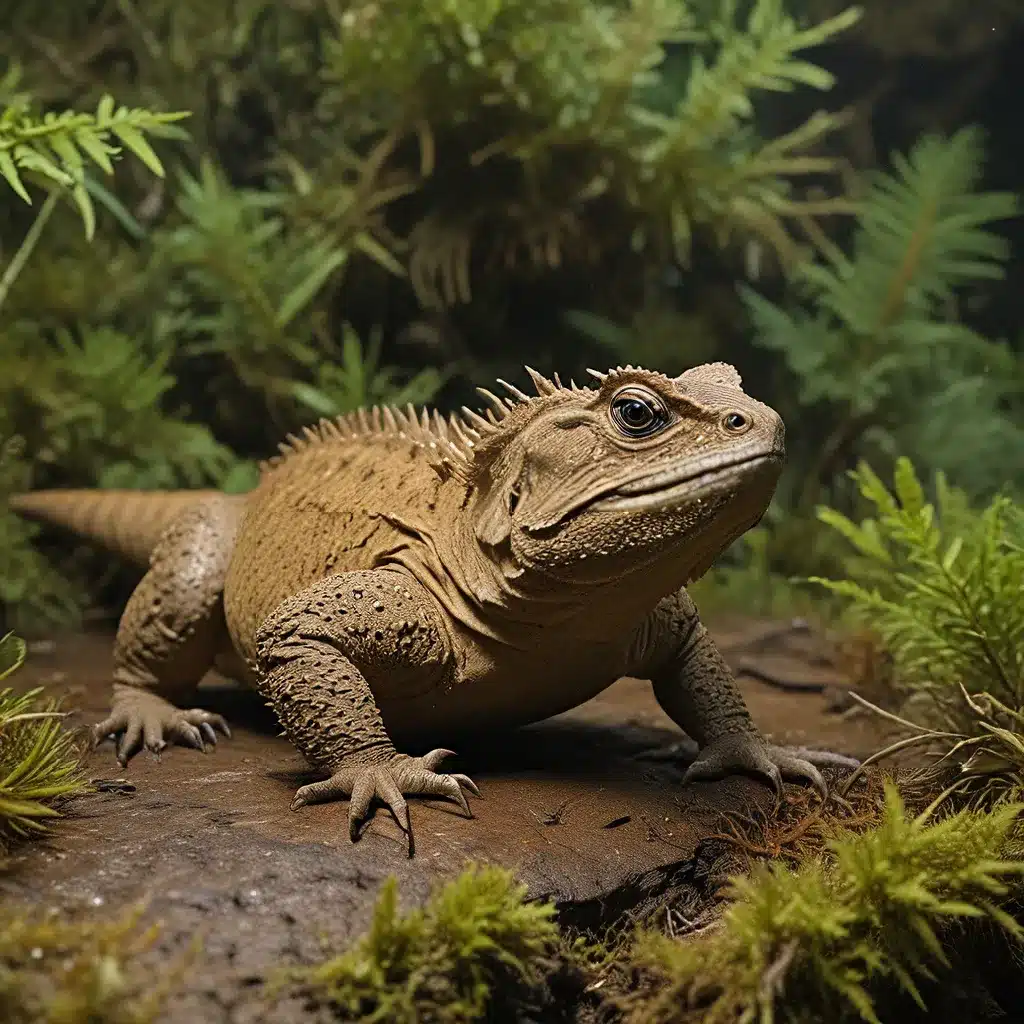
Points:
x=638, y=413
x=735, y=422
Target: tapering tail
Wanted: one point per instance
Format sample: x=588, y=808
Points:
x=128, y=523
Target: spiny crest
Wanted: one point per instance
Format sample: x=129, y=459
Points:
x=626, y=375
x=451, y=443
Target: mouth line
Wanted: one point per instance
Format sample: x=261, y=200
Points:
x=656, y=491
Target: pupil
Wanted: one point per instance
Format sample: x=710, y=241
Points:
x=637, y=414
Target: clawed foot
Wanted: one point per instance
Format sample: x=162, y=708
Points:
x=390, y=782
x=143, y=719
x=749, y=752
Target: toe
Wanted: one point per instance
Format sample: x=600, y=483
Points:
x=131, y=742
x=388, y=791
x=797, y=768
x=359, y=806
x=114, y=723
x=466, y=783
x=208, y=722
x=315, y=793
x=736, y=754
x=153, y=735
x=188, y=735
x=826, y=758
x=219, y=723
x=450, y=788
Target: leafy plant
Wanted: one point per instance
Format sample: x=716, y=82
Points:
x=57, y=149
x=40, y=765
x=876, y=910
x=441, y=962
x=642, y=111
x=875, y=345
x=941, y=585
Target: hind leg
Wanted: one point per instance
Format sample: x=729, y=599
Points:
x=169, y=635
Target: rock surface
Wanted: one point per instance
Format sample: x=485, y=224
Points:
x=581, y=806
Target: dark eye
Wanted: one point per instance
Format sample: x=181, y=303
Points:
x=735, y=421
x=638, y=413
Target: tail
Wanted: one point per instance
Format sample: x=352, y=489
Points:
x=128, y=523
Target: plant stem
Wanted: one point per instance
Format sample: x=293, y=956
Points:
x=20, y=258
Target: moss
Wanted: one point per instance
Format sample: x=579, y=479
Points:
x=444, y=962
x=40, y=761
x=868, y=915
x=55, y=969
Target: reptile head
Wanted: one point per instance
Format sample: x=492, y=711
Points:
x=594, y=484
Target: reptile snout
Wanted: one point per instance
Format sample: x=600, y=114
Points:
x=778, y=434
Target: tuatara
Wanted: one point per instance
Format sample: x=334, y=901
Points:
x=398, y=579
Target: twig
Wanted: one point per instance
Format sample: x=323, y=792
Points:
x=20, y=258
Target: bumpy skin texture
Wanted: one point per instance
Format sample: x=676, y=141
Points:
x=397, y=580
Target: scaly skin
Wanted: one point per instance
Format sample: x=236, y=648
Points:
x=397, y=580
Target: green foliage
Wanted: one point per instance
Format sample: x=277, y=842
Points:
x=440, y=963
x=876, y=347
x=40, y=764
x=941, y=584
x=745, y=581
x=580, y=116
x=876, y=910
x=58, y=970
x=56, y=150
x=29, y=585
x=355, y=172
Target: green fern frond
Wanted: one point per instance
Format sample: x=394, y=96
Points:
x=705, y=152
x=944, y=596
x=358, y=379
x=58, y=148
x=575, y=95
x=923, y=232
x=941, y=586
x=875, y=338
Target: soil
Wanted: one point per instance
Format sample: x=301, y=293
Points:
x=586, y=807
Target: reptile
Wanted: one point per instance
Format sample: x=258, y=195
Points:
x=398, y=579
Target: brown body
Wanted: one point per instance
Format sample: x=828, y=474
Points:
x=397, y=579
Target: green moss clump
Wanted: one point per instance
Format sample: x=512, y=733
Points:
x=40, y=761
x=56, y=970
x=868, y=914
x=440, y=963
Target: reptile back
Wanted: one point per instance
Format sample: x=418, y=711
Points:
x=316, y=512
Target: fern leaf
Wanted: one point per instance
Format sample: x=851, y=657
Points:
x=58, y=148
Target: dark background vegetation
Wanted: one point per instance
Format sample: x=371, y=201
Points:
x=394, y=201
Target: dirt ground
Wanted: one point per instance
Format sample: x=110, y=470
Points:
x=586, y=807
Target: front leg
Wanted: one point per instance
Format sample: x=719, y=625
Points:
x=697, y=690
x=315, y=653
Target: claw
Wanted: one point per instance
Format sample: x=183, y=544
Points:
x=141, y=720
x=750, y=753
x=432, y=761
x=389, y=783
x=465, y=782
